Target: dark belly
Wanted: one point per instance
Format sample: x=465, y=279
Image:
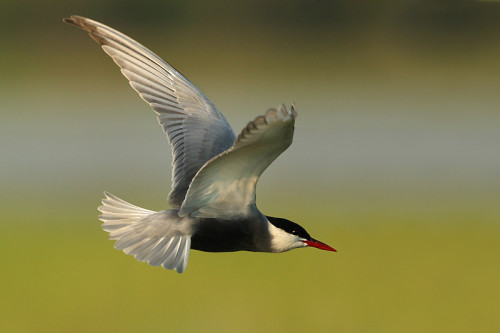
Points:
x=214, y=235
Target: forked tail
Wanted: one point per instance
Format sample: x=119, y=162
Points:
x=149, y=236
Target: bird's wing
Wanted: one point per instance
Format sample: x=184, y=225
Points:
x=194, y=126
x=225, y=186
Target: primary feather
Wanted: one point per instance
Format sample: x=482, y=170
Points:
x=194, y=126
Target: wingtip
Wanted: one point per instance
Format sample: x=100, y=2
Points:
x=293, y=109
x=73, y=20
x=281, y=112
x=282, y=109
x=82, y=23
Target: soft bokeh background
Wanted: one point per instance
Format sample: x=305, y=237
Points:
x=396, y=163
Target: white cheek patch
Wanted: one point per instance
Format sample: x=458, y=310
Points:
x=282, y=241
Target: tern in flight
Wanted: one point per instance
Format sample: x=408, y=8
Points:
x=214, y=172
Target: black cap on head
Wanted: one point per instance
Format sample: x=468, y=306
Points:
x=289, y=226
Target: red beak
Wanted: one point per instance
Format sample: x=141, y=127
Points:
x=319, y=245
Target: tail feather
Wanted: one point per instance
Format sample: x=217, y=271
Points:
x=147, y=235
x=157, y=253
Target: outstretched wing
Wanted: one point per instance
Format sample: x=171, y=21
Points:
x=194, y=126
x=225, y=186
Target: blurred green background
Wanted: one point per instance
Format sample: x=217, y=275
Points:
x=395, y=162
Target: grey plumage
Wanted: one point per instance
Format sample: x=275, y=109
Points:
x=214, y=174
x=194, y=126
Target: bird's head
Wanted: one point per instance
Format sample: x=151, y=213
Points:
x=287, y=235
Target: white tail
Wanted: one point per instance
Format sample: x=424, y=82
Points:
x=149, y=236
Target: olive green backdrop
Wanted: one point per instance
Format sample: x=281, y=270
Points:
x=395, y=163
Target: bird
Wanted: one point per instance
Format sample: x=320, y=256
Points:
x=214, y=172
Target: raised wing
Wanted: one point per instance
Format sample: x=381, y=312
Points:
x=225, y=186
x=194, y=126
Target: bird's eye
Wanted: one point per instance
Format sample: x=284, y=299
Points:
x=294, y=232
